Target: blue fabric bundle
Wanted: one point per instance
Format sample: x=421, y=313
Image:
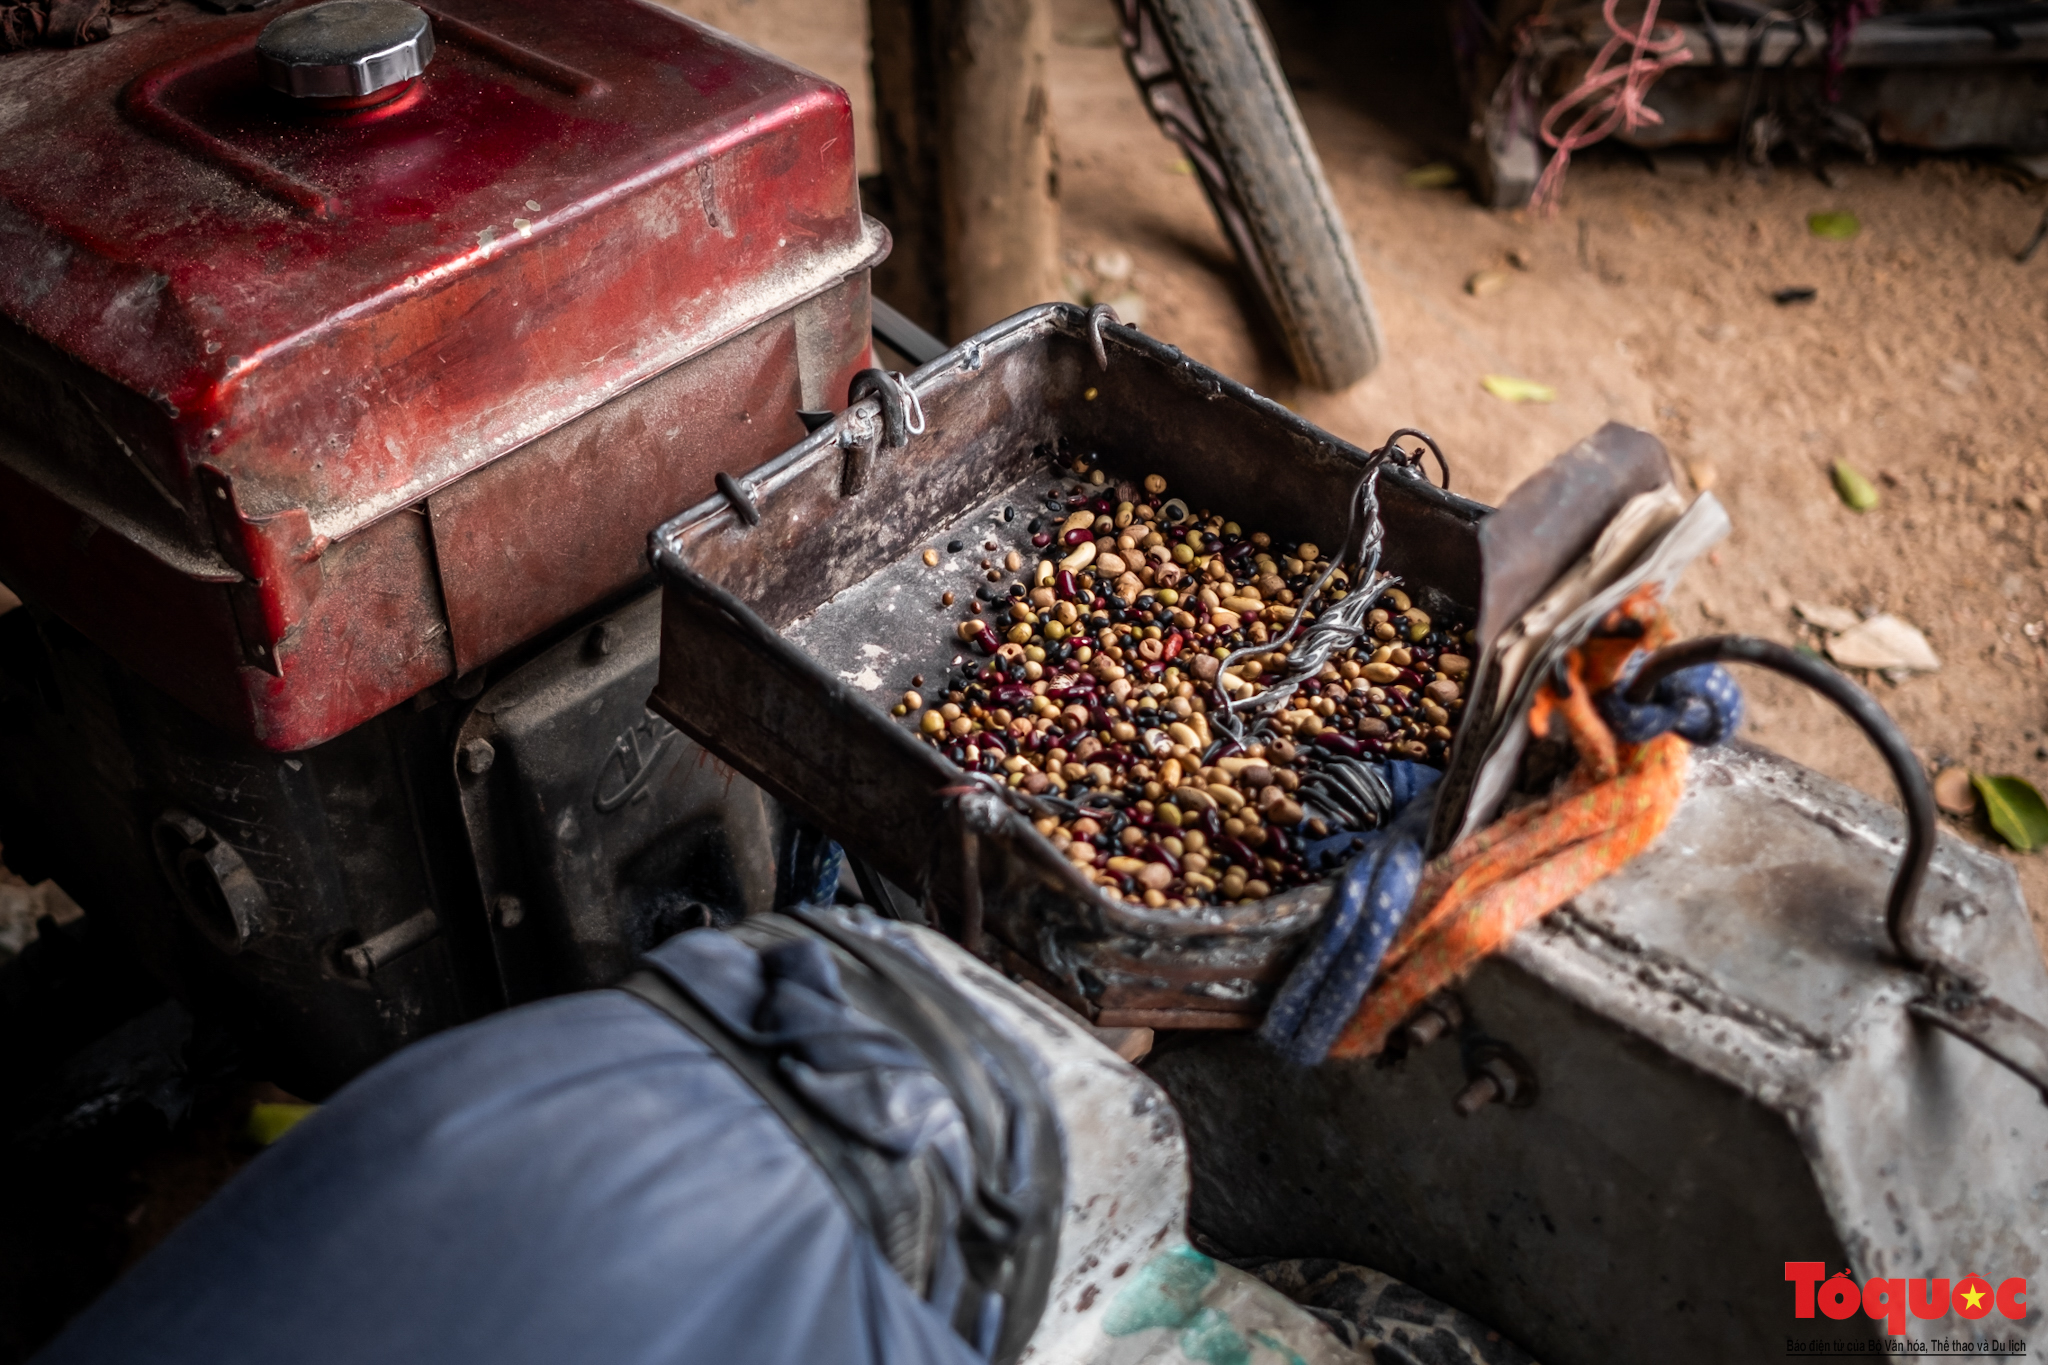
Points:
x=1702, y=705
x=1323, y=989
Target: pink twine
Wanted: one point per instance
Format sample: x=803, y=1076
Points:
x=1612, y=96
x=1840, y=30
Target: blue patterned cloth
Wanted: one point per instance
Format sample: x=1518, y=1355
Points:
x=1702, y=705
x=826, y=892
x=1322, y=991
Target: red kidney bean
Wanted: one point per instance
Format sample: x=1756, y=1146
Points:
x=1063, y=584
x=1160, y=855
x=1240, y=852
x=1343, y=744
x=986, y=641
x=1172, y=650
x=1041, y=540
x=1212, y=823
x=1077, y=535
x=1276, y=842
x=1013, y=695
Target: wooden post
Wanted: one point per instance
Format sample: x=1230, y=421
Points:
x=965, y=128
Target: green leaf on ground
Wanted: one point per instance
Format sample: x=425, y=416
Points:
x=1437, y=175
x=1859, y=492
x=2016, y=810
x=1509, y=389
x=269, y=1122
x=1833, y=227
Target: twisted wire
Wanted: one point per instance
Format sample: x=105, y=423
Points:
x=1333, y=630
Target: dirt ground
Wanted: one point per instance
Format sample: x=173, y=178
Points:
x=1923, y=360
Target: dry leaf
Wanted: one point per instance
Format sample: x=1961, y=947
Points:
x=1486, y=283
x=1884, y=642
x=1833, y=227
x=1512, y=390
x=1436, y=175
x=1953, y=792
x=1858, y=492
x=1836, y=619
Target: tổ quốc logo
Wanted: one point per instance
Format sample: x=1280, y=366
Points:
x=1895, y=1300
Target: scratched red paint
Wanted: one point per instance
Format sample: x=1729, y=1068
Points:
x=219, y=378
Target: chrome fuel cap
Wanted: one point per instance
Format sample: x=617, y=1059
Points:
x=345, y=49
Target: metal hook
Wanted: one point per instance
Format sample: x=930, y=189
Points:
x=1393, y=450
x=1954, y=1002
x=1098, y=315
x=736, y=494
x=1860, y=707
x=899, y=402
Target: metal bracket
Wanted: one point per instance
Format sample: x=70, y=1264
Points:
x=860, y=437
x=1986, y=1023
x=902, y=417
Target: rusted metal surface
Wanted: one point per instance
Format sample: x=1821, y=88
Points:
x=537, y=536
x=785, y=641
x=1729, y=1075
x=236, y=337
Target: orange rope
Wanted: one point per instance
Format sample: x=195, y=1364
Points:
x=1507, y=876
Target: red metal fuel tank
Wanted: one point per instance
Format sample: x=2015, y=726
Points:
x=306, y=405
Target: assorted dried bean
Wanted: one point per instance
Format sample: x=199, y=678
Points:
x=1092, y=675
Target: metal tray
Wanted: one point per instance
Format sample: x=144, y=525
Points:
x=795, y=613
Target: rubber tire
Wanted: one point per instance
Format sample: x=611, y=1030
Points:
x=1298, y=247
